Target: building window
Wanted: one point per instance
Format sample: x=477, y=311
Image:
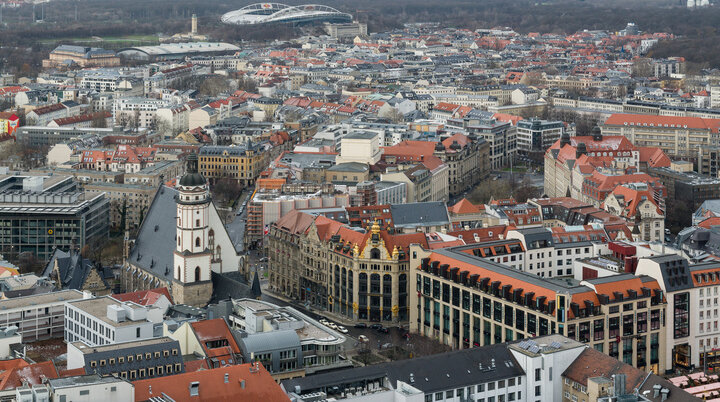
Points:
x=197, y=274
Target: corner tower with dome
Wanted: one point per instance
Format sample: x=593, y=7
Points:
x=193, y=255
x=183, y=245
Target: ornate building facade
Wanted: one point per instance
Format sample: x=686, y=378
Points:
x=358, y=275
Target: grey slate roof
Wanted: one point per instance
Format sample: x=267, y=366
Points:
x=431, y=373
x=264, y=342
x=73, y=269
x=233, y=285
x=675, y=272
x=420, y=214
x=153, y=249
x=133, y=348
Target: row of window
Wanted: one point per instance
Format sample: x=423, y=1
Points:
x=469, y=392
x=132, y=358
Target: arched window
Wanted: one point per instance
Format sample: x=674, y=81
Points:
x=211, y=239
x=197, y=242
x=197, y=274
x=375, y=253
x=178, y=273
x=217, y=253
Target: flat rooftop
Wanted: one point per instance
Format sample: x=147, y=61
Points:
x=41, y=299
x=97, y=307
x=84, y=348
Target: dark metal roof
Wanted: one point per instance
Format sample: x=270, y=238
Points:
x=430, y=373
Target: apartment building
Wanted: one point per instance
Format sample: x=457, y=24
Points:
x=501, y=138
x=133, y=360
x=137, y=111
x=576, y=166
x=37, y=317
x=465, y=300
x=240, y=163
x=129, y=203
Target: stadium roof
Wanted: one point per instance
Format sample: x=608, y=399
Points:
x=169, y=49
x=276, y=13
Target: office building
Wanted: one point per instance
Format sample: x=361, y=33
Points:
x=37, y=317
x=105, y=321
x=465, y=300
x=40, y=213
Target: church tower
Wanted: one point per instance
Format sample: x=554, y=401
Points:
x=192, y=282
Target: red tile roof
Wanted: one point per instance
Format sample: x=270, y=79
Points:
x=244, y=383
x=465, y=207
x=215, y=330
x=144, y=297
x=14, y=372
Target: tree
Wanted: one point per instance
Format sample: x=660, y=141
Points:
x=642, y=67
x=29, y=263
x=395, y=116
x=99, y=120
x=214, y=85
x=226, y=190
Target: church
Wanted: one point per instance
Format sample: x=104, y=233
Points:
x=182, y=244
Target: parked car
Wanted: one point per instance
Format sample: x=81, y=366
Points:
x=342, y=329
x=323, y=321
x=332, y=325
x=361, y=325
x=363, y=338
x=376, y=326
x=264, y=259
x=383, y=330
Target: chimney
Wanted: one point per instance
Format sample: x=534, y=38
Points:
x=619, y=380
x=656, y=390
x=242, y=384
x=194, y=30
x=227, y=378
x=664, y=392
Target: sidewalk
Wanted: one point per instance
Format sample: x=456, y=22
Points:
x=303, y=308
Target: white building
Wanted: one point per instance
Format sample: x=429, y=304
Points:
x=127, y=110
x=104, y=320
x=544, y=359
x=173, y=120
x=361, y=147
x=86, y=388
